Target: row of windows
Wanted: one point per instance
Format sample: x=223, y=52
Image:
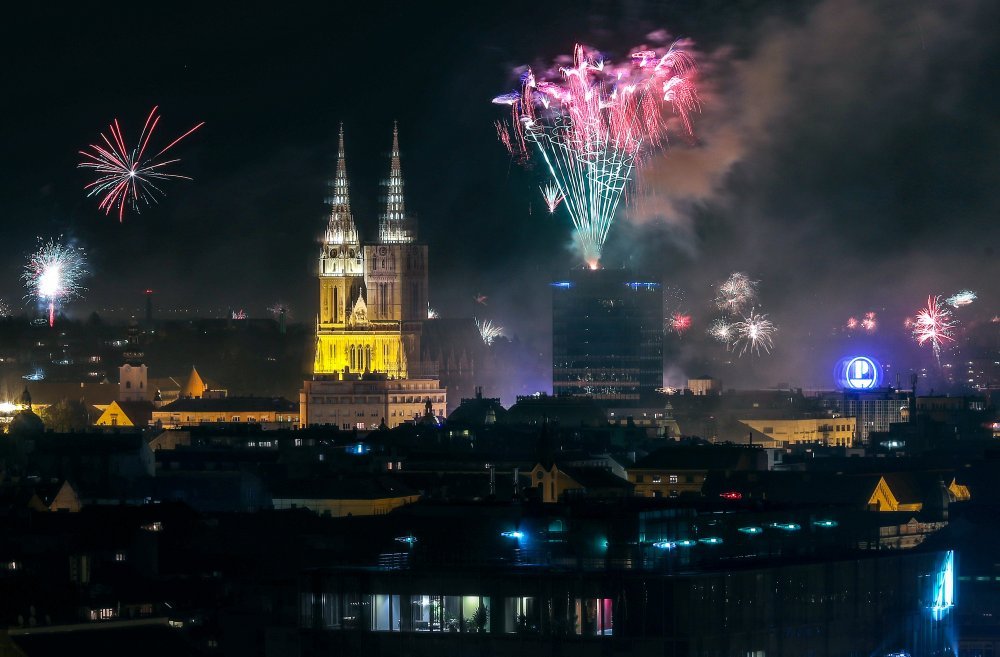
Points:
x=453, y=613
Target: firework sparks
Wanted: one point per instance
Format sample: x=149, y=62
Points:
x=53, y=274
x=431, y=313
x=960, y=299
x=934, y=325
x=754, y=333
x=736, y=293
x=870, y=322
x=280, y=309
x=488, y=331
x=722, y=331
x=4, y=309
x=553, y=197
x=127, y=176
x=680, y=322
x=592, y=123
x=239, y=314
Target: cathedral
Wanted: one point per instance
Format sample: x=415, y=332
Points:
x=372, y=307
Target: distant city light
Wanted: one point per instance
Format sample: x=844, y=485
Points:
x=786, y=526
x=686, y=542
x=37, y=375
x=711, y=540
x=751, y=530
x=825, y=523
x=512, y=534
x=408, y=539
x=665, y=545
x=731, y=495
x=944, y=588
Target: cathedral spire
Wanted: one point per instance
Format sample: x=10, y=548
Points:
x=395, y=226
x=341, y=228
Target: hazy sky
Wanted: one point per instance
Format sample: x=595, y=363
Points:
x=847, y=156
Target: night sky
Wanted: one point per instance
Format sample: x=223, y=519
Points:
x=847, y=157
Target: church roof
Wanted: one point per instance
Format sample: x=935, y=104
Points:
x=194, y=387
x=341, y=228
x=395, y=227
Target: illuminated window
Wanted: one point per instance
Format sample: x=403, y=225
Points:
x=673, y=479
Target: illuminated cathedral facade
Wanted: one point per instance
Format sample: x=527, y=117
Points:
x=372, y=305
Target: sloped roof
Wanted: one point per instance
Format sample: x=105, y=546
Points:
x=194, y=387
x=699, y=457
x=342, y=488
x=594, y=478
x=231, y=405
x=139, y=412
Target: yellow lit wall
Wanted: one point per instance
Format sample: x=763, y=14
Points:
x=826, y=431
x=359, y=352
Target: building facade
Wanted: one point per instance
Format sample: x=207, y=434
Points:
x=785, y=432
x=873, y=410
x=372, y=304
x=607, y=336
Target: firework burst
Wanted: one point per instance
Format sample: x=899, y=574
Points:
x=722, y=331
x=934, y=325
x=960, y=299
x=553, y=197
x=431, y=312
x=870, y=322
x=53, y=274
x=592, y=123
x=488, y=331
x=753, y=334
x=680, y=322
x=280, y=309
x=129, y=176
x=736, y=293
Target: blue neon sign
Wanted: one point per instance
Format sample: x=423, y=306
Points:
x=859, y=373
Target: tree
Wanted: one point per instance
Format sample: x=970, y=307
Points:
x=66, y=416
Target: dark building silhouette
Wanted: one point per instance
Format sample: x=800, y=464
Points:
x=607, y=336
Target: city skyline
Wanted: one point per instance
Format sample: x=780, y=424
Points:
x=249, y=222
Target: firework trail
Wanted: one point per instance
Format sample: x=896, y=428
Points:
x=934, y=324
x=960, y=299
x=592, y=123
x=488, y=332
x=722, y=331
x=553, y=197
x=753, y=333
x=680, y=322
x=126, y=176
x=53, y=274
x=736, y=293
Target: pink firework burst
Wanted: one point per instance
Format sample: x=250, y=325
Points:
x=870, y=322
x=592, y=123
x=934, y=325
x=126, y=176
x=680, y=323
